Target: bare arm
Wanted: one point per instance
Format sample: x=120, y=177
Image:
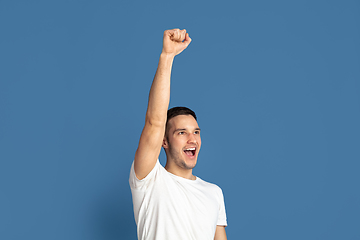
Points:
x=174, y=42
x=220, y=233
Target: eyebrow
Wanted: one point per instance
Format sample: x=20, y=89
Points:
x=184, y=129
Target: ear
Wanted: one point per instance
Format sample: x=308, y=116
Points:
x=165, y=143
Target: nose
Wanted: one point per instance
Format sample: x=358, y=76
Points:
x=192, y=139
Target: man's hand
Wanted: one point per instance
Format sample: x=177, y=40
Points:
x=175, y=41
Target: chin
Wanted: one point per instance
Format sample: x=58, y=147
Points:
x=189, y=165
x=185, y=166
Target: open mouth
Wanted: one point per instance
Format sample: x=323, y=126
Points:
x=190, y=151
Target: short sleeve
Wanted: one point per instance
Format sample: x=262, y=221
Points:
x=139, y=187
x=142, y=184
x=222, y=221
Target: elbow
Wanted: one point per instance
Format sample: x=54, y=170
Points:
x=155, y=122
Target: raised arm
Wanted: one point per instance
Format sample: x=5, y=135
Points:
x=174, y=42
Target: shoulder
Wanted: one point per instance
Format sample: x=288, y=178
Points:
x=141, y=183
x=210, y=186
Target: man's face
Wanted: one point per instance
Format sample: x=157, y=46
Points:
x=182, y=143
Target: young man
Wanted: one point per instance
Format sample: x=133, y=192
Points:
x=171, y=203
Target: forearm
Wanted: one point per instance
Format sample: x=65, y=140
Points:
x=159, y=95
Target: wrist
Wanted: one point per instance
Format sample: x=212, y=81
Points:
x=169, y=56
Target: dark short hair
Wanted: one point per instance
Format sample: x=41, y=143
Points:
x=176, y=111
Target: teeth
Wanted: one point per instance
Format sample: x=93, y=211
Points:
x=189, y=149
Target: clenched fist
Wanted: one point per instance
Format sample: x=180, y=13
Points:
x=175, y=41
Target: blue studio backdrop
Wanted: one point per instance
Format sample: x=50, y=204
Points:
x=275, y=85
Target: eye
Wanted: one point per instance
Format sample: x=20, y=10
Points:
x=181, y=133
x=197, y=132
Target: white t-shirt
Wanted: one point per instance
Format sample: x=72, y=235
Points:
x=169, y=207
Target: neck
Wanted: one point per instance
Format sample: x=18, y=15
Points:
x=178, y=171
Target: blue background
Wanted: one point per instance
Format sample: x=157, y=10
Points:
x=275, y=84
